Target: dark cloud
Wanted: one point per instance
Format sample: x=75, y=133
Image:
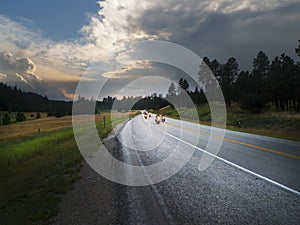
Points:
x=218, y=34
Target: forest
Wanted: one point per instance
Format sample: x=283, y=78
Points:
x=12, y=99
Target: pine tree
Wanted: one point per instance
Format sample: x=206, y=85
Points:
x=260, y=71
x=298, y=49
x=172, y=90
x=183, y=85
x=228, y=77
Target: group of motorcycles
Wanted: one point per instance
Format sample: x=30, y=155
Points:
x=158, y=117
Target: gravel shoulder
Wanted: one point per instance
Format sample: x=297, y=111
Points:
x=94, y=199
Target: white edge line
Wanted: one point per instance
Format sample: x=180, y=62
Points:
x=236, y=166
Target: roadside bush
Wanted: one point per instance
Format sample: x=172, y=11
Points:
x=20, y=117
x=59, y=113
x=6, y=119
x=38, y=115
x=50, y=113
x=253, y=102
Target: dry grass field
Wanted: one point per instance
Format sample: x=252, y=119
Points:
x=44, y=125
x=32, y=127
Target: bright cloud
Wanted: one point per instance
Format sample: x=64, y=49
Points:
x=2, y=76
x=20, y=72
x=23, y=65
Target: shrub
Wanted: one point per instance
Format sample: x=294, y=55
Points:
x=6, y=119
x=20, y=117
x=38, y=115
x=59, y=114
x=253, y=102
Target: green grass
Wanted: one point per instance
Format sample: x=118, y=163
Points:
x=36, y=171
x=20, y=149
x=275, y=124
x=33, y=174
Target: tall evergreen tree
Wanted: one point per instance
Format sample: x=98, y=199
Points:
x=283, y=83
x=290, y=81
x=298, y=49
x=180, y=83
x=183, y=84
x=260, y=72
x=207, y=79
x=274, y=86
x=246, y=95
x=228, y=77
x=216, y=69
x=243, y=85
x=172, y=90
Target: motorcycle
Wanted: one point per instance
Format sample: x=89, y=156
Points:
x=160, y=118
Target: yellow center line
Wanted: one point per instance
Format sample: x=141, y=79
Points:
x=237, y=142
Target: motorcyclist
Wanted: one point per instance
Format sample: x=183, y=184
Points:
x=163, y=118
x=160, y=118
x=157, y=118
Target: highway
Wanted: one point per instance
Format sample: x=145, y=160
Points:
x=273, y=158
x=254, y=179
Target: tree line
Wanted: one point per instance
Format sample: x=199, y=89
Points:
x=270, y=83
x=12, y=99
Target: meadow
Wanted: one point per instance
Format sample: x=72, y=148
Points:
x=37, y=168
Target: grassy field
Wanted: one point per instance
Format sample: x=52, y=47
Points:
x=28, y=115
x=275, y=124
x=37, y=168
x=33, y=127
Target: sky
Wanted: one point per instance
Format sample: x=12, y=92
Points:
x=48, y=46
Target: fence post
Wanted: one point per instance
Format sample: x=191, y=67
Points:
x=104, y=121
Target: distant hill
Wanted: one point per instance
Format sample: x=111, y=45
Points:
x=13, y=99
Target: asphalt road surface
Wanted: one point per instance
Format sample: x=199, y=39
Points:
x=252, y=180
x=273, y=158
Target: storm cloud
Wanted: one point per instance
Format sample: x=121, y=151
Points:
x=233, y=29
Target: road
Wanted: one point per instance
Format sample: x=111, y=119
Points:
x=253, y=180
x=257, y=182
x=277, y=159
